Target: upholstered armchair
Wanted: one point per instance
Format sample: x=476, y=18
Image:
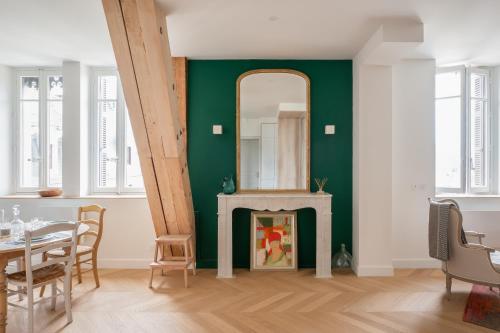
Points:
x=470, y=262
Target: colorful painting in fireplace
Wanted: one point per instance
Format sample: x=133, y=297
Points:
x=274, y=241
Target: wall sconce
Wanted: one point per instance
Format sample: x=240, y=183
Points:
x=329, y=129
x=217, y=129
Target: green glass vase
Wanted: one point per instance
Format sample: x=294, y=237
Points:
x=228, y=185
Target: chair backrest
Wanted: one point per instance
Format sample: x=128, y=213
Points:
x=95, y=223
x=67, y=244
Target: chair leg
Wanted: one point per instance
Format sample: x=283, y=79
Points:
x=54, y=295
x=78, y=269
x=67, y=297
x=19, y=267
x=44, y=258
x=151, y=279
x=448, y=286
x=94, y=269
x=185, y=277
x=30, y=310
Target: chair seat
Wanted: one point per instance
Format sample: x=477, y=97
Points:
x=40, y=275
x=495, y=259
x=80, y=249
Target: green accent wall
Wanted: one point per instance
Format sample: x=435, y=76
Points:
x=212, y=100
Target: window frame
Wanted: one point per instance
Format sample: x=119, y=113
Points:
x=121, y=113
x=465, y=144
x=43, y=172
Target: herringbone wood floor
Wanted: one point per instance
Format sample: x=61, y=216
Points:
x=412, y=301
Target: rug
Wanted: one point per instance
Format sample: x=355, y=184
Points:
x=483, y=307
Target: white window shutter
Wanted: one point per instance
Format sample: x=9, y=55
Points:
x=478, y=102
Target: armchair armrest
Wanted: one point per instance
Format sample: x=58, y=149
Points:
x=480, y=247
x=479, y=235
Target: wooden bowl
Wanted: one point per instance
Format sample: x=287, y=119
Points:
x=50, y=192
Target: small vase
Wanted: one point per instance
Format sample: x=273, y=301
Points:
x=228, y=185
x=342, y=259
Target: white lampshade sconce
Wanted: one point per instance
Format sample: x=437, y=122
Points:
x=329, y=129
x=216, y=129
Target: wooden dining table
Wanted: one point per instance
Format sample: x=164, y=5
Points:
x=11, y=249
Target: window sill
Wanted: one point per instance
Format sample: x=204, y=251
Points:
x=98, y=196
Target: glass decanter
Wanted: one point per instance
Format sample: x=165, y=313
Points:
x=4, y=225
x=342, y=259
x=16, y=225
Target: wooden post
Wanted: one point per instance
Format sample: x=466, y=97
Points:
x=139, y=35
x=180, y=72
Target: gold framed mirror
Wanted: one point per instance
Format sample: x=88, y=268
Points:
x=273, y=131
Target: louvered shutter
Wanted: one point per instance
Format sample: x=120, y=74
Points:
x=478, y=127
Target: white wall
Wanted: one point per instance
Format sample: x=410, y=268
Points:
x=6, y=81
x=393, y=129
x=412, y=161
x=372, y=173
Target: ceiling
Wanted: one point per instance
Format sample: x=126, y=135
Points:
x=45, y=32
x=262, y=93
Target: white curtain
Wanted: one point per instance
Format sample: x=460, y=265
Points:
x=291, y=144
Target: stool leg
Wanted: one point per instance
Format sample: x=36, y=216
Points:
x=151, y=279
x=162, y=256
x=185, y=277
x=193, y=259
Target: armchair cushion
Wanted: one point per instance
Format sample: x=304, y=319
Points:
x=495, y=259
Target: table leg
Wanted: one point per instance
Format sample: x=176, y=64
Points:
x=3, y=294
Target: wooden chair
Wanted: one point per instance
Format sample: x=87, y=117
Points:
x=84, y=250
x=47, y=272
x=173, y=262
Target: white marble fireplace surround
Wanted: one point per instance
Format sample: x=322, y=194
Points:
x=322, y=203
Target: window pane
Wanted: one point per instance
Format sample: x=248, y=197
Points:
x=107, y=87
x=448, y=84
x=448, y=143
x=54, y=150
x=29, y=87
x=55, y=87
x=133, y=175
x=107, y=145
x=30, y=144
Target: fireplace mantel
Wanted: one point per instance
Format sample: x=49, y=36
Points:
x=322, y=203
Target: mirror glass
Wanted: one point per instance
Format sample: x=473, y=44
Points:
x=273, y=140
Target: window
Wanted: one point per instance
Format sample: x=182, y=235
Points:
x=463, y=149
x=115, y=161
x=39, y=129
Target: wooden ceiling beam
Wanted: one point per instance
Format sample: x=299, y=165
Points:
x=139, y=35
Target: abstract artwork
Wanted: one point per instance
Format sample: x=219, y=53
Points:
x=273, y=241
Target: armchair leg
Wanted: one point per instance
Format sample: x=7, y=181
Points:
x=448, y=286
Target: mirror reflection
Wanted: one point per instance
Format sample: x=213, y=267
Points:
x=273, y=131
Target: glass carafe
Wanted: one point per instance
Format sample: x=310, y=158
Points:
x=342, y=259
x=4, y=225
x=16, y=225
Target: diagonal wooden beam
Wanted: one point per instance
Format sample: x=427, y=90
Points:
x=139, y=35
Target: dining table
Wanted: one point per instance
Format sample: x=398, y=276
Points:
x=10, y=248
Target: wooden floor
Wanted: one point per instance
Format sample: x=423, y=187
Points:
x=412, y=301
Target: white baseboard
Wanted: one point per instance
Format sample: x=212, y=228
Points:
x=416, y=263
x=124, y=263
x=369, y=270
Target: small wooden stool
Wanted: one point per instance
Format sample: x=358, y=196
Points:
x=174, y=263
